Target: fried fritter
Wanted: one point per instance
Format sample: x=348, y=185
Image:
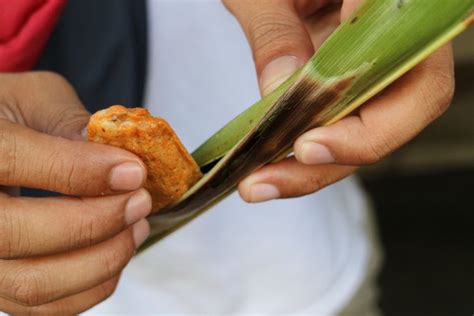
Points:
x=171, y=169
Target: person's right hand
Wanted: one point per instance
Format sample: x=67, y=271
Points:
x=283, y=35
x=62, y=255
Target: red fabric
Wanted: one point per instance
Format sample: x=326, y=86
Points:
x=25, y=26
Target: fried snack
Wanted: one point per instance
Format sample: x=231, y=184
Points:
x=171, y=169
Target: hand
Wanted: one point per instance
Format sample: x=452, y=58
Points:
x=283, y=35
x=62, y=255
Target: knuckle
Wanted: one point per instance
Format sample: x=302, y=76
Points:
x=90, y=226
x=5, y=231
x=316, y=181
x=107, y=289
x=52, y=171
x=64, y=174
x=375, y=151
x=14, y=236
x=81, y=232
x=114, y=260
x=83, y=176
x=442, y=86
x=73, y=172
x=374, y=146
x=9, y=155
x=10, y=107
x=27, y=286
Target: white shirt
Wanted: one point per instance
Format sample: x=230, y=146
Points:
x=298, y=256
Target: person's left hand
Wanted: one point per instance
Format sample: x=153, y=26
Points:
x=283, y=35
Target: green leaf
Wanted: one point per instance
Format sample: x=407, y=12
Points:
x=376, y=45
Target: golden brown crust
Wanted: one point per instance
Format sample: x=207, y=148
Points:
x=171, y=169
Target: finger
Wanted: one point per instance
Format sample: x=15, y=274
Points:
x=348, y=7
x=279, y=41
x=306, y=8
x=46, y=102
x=32, y=227
x=32, y=159
x=386, y=122
x=37, y=281
x=71, y=305
x=322, y=24
x=289, y=178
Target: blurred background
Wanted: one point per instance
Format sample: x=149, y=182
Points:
x=422, y=194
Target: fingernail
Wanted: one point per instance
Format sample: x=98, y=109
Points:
x=126, y=177
x=261, y=192
x=312, y=153
x=79, y=134
x=277, y=71
x=137, y=207
x=84, y=134
x=141, y=231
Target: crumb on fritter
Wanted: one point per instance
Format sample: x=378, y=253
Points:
x=171, y=169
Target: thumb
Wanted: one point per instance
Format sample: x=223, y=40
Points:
x=348, y=7
x=277, y=36
x=48, y=103
x=69, y=121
